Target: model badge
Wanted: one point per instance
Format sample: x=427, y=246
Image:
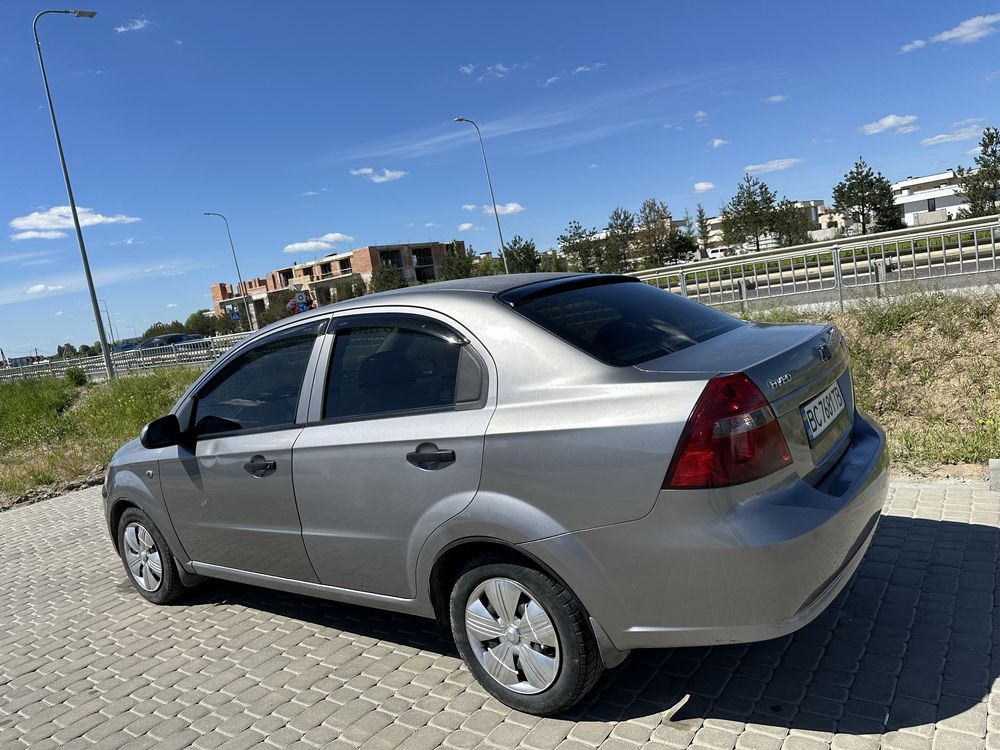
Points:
x=776, y=383
x=823, y=352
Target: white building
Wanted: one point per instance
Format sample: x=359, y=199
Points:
x=928, y=199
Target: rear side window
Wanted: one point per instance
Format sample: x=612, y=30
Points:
x=625, y=323
x=385, y=369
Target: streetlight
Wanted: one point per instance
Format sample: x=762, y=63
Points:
x=108, y=367
x=135, y=333
x=111, y=328
x=242, y=288
x=496, y=213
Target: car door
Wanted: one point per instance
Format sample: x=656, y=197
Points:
x=228, y=486
x=394, y=447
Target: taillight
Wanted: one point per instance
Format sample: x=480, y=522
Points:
x=732, y=436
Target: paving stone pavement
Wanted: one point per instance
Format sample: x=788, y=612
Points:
x=903, y=659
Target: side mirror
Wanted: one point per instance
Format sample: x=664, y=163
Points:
x=161, y=433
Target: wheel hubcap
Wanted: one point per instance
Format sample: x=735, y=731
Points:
x=142, y=557
x=512, y=636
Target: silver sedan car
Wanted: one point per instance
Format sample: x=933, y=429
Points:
x=558, y=467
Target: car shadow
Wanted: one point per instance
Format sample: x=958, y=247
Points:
x=907, y=642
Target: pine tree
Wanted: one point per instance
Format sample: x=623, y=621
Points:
x=980, y=187
x=749, y=215
x=866, y=196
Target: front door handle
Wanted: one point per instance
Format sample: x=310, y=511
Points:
x=428, y=456
x=259, y=467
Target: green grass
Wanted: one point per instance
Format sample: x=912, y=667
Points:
x=927, y=366
x=52, y=431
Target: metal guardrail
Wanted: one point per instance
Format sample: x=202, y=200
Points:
x=198, y=352
x=957, y=248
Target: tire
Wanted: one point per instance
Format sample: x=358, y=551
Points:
x=142, y=546
x=543, y=655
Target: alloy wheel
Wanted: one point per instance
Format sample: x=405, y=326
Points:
x=512, y=636
x=142, y=557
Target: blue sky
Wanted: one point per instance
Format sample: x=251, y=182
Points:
x=311, y=123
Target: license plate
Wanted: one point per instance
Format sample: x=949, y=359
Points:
x=820, y=413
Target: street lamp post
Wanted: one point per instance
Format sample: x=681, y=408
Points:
x=111, y=328
x=493, y=200
x=241, y=288
x=135, y=333
x=108, y=367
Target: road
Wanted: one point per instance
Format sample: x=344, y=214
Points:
x=905, y=657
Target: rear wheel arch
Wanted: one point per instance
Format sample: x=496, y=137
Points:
x=453, y=559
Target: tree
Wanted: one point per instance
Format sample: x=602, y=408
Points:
x=980, y=187
x=866, y=196
x=457, y=264
x=655, y=234
x=749, y=215
x=201, y=321
x=615, y=255
x=488, y=266
x=161, y=329
x=552, y=261
x=685, y=246
x=387, y=278
x=578, y=246
x=85, y=350
x=791, y=224
x=521, y=255
x=66, y=351
x=701, y=221
x=277, y=307
x=349, y=289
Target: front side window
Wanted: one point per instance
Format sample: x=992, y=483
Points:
x=261, y=386
x=380, y=369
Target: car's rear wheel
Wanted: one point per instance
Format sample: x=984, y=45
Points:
x=149, y=563
x=523, y=636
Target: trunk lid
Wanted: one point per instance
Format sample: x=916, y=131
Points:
x=792, y=365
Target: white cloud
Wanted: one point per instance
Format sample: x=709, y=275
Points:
x=718, y=142
x=899, y=123
x=774, y=165
x=549, y=81
x=970, y=30
x=592, y=165
x=57, y=313
x=700, y=116
x=44, y=224
x=974, y=151
x=409, y=224
x=431, y=225
x=467, y=226
x=179, y=42
x=703, y=187
x=504, y=208
x=469, y=207
x=587, y=68
x=314, y=244
x=467, y=69
x=966, y=130
x=171, y=305
x=776, y=98
x=499, y=70
x=308, y=193
x=42, y=288
x=386, y=175
x=136, y=24
x=48, y=234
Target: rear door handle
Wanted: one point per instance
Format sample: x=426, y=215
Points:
x=259, y=467
x=432, y=458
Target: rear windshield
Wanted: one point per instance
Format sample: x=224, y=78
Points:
x=626, y=324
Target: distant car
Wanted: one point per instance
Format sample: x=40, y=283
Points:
x=166, y=339
x=561, y=467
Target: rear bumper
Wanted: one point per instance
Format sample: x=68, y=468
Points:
x=728, y=566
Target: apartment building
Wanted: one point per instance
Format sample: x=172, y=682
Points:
x=320, y=277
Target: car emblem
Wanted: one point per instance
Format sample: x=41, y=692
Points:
x=823, y=352
x=776, y=383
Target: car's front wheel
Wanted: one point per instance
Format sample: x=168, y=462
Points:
x=524, y=636
x=149, y=564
